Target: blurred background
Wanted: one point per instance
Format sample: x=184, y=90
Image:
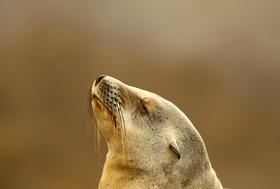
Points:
x=218, y=61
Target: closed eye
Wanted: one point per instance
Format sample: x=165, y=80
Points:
x=143, y=110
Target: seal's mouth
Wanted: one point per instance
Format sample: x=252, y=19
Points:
x=106, y=107
x=108, y=99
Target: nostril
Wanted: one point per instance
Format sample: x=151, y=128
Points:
x=98, y=79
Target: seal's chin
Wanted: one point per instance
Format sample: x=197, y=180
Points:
x=102, y=111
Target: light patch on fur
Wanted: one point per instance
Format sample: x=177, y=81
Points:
x=149, y=104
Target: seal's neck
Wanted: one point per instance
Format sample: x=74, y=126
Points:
x=123, y=173
x=120, y=172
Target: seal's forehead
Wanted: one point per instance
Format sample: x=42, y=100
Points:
x=136, y=91
x=139, y=92
x=113, y=80
x=145, y=94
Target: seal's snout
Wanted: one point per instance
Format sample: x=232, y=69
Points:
x=98, y=79
x=109, y=94
x=105, y=89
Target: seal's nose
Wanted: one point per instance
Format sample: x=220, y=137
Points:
x=98, y=79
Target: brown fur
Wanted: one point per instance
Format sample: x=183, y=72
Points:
x=151, y=143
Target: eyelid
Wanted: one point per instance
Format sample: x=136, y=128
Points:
x=143, y=103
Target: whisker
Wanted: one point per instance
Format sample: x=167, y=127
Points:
x=89, y=102
x=122, y=127
x=97, y=137
x=122, y=118
x=98, y=140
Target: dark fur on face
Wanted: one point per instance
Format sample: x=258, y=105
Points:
x=152, y=116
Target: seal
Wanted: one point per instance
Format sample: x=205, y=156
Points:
x=151, y=143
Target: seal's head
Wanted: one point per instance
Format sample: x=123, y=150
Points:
x=147, y=137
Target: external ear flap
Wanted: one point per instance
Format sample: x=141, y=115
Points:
x=174, y=148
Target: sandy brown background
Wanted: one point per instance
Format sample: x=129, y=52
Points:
x=217, y=60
